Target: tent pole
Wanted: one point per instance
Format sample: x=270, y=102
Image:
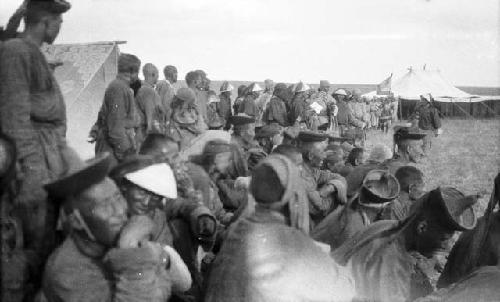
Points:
x=400, y=105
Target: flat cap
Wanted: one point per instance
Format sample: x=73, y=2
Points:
x=311, y=136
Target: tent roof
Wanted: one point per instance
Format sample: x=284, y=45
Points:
x=80, y=63
x=418, y=82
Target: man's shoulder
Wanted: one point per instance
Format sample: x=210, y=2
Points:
x=16, y=45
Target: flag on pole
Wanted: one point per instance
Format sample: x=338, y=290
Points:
x=384, y=88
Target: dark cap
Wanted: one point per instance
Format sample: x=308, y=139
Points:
x=128, y=62
x=404, y=133
x=241, y=119
x=457, y=212
x=268, y=131
x=311, y=136
x=379, y=186
x=52, y=6
x=74, y=182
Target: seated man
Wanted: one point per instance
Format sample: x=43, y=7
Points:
x=325, y=190
x=268, y=256
x=149, y=187
x=379, y=189
x=380, y=256
x=107, y=257
x=411, y=183
x=407, y=148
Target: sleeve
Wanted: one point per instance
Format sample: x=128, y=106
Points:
x=15, y=118
x=436, y=120
x=189, y=210
x=353, y=120
x=140, y=273
x=116, y=121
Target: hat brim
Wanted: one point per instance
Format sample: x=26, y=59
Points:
x=92, y=172
x=370, y=196
x=157, y=178
x=466, y=221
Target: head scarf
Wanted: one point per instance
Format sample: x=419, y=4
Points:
x=293, y=193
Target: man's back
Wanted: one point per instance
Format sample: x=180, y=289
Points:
x=262, y=259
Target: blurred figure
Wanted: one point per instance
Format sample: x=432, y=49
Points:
x=345, y=116
x=275, y=112
x=411, y=182
x=166, y=91
x=297, y=114
x=269, y=137
x=287, y=265
x=328, y=105
x=214, y=119
x=150, y=109
x=429, y=120
x=249, y=105
x=239, y=99
x=225, y=104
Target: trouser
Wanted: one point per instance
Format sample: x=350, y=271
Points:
x=427, y=141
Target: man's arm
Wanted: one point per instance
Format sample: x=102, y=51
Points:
x=145, y=97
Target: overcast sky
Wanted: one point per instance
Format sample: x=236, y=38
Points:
x=350, y=41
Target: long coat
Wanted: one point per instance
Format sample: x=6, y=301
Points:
x=263, y=259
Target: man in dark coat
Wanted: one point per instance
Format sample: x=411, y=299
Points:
x=429, y=120
x=166, y=90
x=118, y=119
x=33, y=116
x=106, y=257
x=380, y=257
x=275, y=112
x=268, y=255
x=299, y=108
x=345, y=116
x=407, y=148
x=249, y=104
x=325, y=190
x=225, y=104
x=378, y=191
x=150, y=109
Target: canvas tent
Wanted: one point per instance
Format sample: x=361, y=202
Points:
x=450, y=100
x=86, y=71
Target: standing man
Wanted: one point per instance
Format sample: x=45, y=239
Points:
x=429, y=121
x=327, y=103
x=262, y=101
x=117, y=118
x=33, y=116
x=345, y=116
x=225, y=104
x=166, y=90
x=275, y=112
x=150, y=109
x=194, y=81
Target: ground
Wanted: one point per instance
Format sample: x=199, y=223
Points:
x=465, y=156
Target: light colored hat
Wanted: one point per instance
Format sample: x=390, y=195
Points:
x=301, y=87
x=340, y=91
x=254, y=87
x=226, y=86
x=380, y=153
x=157, y=178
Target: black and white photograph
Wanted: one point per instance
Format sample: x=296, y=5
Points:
x=250, y=150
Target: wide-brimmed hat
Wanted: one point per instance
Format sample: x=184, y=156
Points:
x=254, y=87
x=241, y=119
x=404, y=133
x=308, y=136
x=340, y=91
x=226, y=87
x=149, y=173
x=82, y=177
x=379, y=186
x=52, y=6
x=268, y=131
x=302, y=87
x=456, y=208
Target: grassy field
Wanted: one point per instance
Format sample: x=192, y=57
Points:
x=465, y=156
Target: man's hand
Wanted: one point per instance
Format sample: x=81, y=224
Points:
x=138, y=228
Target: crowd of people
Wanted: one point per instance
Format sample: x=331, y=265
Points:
x=281, y=204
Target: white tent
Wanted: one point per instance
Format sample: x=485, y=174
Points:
x=418, y=82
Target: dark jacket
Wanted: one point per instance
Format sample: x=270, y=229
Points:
x=275, y=112
x=345, y=116
x=428, y=117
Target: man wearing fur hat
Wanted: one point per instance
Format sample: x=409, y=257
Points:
x=268, y=256
x=33, y=116
x=107, y=256
x=275, y=111
x=186, y=122
x=325, y=190
x=379, y=189
x=118, y=118
x=380, y=257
